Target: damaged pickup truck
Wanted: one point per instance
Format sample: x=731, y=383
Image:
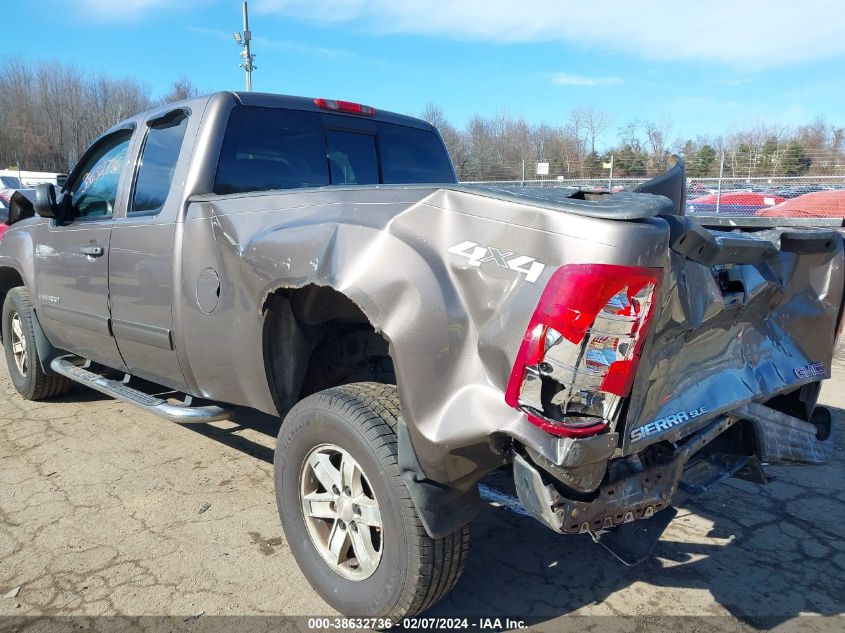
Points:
x=317, y=260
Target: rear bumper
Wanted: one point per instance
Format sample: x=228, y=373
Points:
x=781, y=438
x=778, y=438
x=636, y=497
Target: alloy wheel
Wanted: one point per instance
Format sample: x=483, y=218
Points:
x=19, y=344
x=341, y=512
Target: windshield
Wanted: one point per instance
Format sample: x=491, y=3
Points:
x=275, y=148
x=9, y=182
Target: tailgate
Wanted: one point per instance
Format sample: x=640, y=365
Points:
x=742, y=317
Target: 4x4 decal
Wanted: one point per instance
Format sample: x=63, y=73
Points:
x=477, y=255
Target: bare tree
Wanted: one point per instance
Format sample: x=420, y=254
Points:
x=597, y=123
x=50, y=112
x=456, y=141
x=182, y=88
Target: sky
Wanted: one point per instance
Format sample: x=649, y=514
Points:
x=704, y=67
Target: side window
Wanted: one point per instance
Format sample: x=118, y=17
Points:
x=410, y=155
x=158, y=162
x=271, y=148
x=353, y=158
x=95, y=190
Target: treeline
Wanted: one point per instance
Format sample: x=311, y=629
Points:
x=50, y=112
x=500, y=147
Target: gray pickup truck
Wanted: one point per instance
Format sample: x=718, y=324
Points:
x=317, y=260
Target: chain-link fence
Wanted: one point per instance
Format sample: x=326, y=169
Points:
x=819, y=194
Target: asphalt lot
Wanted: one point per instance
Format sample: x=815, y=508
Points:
x=105, y=510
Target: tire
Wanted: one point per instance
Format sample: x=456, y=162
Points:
x=413, y=570
x=22, y=359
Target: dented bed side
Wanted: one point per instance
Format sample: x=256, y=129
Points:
x=450, y=278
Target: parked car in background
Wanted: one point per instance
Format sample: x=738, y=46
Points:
x=28, y=178
x=819, y=204
x=4, y=218
x=10, y=182
x=8, y=186
x=794, y=191
x=733, y=202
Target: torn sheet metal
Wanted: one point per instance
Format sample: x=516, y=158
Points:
x=732, y=334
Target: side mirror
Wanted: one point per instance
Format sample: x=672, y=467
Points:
x=45, y=200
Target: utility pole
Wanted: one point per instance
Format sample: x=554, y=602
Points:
x=243, y=40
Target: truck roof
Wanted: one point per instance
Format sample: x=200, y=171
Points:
x=270, y=100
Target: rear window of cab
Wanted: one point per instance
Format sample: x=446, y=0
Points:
x=275, y=148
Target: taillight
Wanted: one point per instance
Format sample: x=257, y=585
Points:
x=580, y=352
x=345, y=106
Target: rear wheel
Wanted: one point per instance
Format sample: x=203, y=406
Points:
x=347, y=514
x=29, y=379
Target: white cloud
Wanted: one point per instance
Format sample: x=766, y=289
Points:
x=743, y=32
x=568, y=79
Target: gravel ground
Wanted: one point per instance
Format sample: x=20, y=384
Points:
x=109, y=511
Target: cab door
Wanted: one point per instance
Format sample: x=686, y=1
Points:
x=141, y=262
x=72, y=258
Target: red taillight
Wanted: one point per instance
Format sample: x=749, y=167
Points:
x=585, y=337
x=345, y=106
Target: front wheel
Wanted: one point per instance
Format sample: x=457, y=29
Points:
x=347, y=514
x=25, y=370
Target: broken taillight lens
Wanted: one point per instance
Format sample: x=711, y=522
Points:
x=582, y=346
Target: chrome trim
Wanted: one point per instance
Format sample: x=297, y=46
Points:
x=530, y=392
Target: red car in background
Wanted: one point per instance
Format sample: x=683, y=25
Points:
x=9, y=187
x=820, y=204
x=5, y=197
x=734, y=202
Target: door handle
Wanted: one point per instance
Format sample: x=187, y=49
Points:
x=92, y=251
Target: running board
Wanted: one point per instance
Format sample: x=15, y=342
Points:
x=77, y=369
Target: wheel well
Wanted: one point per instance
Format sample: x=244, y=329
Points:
x=9, y=278
x=315, y=338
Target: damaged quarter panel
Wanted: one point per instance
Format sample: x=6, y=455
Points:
x=728, y=334
x=449, y=277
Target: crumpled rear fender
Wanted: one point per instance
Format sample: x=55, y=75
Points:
x=449, y=278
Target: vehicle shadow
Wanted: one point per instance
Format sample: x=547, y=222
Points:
x=80, y=395
x=764, y=553
x=243, y=418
